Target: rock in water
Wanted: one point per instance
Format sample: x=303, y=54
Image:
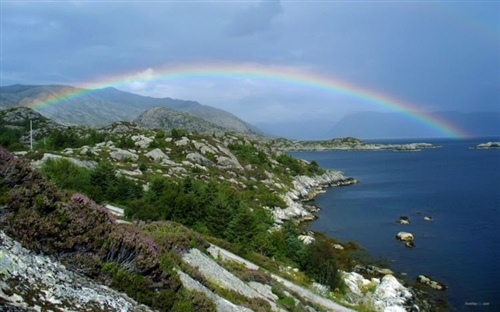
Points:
x=429, y=282
x=404, y=220
x=405, y=236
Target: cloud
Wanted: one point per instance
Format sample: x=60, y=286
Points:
x=255, y=19
x=140, y=81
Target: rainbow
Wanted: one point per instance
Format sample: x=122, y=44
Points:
x=279, y=74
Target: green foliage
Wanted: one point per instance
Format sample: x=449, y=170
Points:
x=178, y=133
x=214, y=208
x=298, y=167
x=9, y=138
x=319, y=263
x=105, y=185
x=193, y=301
x=287, y=302
x=66, y=174
x=125, y=142
x=72, y=137
x=100, y=183
x=249, y=154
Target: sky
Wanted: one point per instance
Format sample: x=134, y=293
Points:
x=429, y=55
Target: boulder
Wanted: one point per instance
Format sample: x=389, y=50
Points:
x=141, y=141
x=306, y=239
x=404, y=236
x=227, y=162
x=198, y=159
x=183, y=141
x=391, y=295
x=423, y=279
x=156, y=155
x=404, y=220
x=122, y=155
x=77, y=162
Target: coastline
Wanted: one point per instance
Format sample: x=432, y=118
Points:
x=440, y=194
x=366, y=274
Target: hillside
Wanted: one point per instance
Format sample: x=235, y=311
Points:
x=185, y=195
x=104, y=106
x=169, y=119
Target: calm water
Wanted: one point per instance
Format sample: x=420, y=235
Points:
x=458, y=187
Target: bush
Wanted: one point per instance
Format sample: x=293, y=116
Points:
x=319, y=263
x=9, y=138
x=67, y=175
x=189, y=300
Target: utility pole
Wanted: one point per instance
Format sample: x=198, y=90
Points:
x=31, y=134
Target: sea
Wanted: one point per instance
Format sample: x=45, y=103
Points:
x=458, y=187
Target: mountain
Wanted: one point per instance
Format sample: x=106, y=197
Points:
x=297, y=129
x=168, y=119
x=373, y=125
x=104, y=106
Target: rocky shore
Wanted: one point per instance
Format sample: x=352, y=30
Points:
x=305, y=188
x=347, y=144
x=488, y=145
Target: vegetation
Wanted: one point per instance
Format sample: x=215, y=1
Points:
x=140, y=260
x=83, y=234
x=9, y=138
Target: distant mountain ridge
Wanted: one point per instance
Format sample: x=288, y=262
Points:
x=375, y=125
x=102, y=107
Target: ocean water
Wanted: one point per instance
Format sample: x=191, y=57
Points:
x=456, y=186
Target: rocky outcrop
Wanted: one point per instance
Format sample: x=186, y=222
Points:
x=157, y=155
x=488, y=145
x=212, y=271
x=294, y=290
x=142, y=141
x=386, y=294
x=80, y=163
x=168, y=119
x=198, y=159
x=123, y=155
x=222, y=304
x=390, y=295
x=346, y=144
x=39, y=283
x=306, y=188
x=429, y=282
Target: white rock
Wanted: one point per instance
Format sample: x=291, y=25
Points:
x=142, y=141
x=183, y=141
x=390, y=295
x=122, y=155
x=80, y=163
x=156, y=155
x=228, y=162
x=404, y=236
x=306, y=239
x=198, y=159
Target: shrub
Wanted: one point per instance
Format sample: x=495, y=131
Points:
x=67, y=175
x=189, y=300
x=319, y=263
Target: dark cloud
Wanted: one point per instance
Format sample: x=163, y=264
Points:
x=437, y=56
x=255, y=19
